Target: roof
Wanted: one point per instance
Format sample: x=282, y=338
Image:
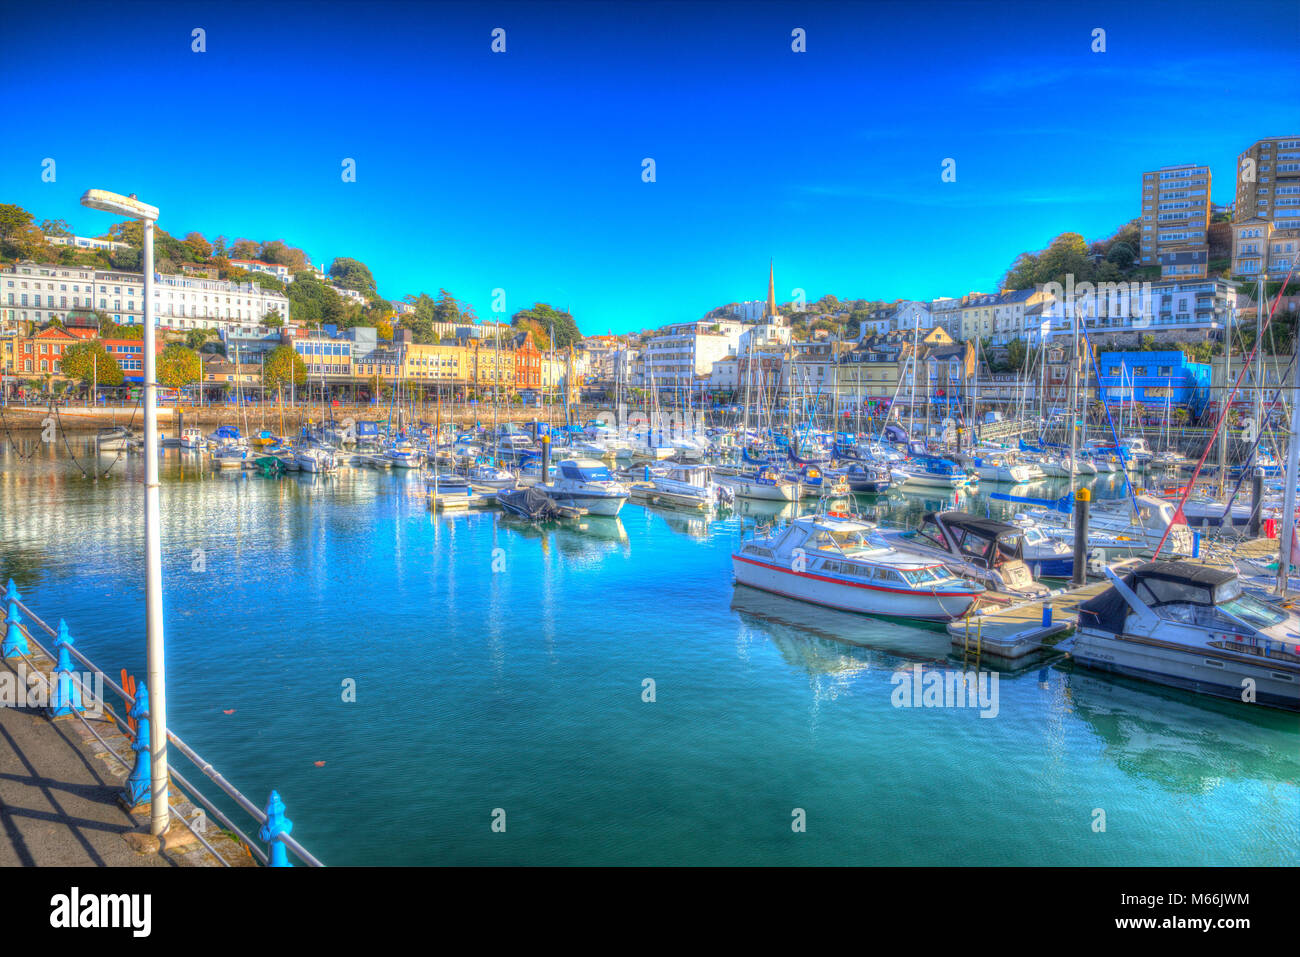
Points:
x=1186, y=572
x=985, y=526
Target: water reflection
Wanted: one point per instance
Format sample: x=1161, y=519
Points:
x=1181, y=742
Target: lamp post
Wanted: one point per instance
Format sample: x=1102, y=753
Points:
x=131, y=207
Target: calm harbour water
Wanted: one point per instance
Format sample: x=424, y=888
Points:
x=501, y=666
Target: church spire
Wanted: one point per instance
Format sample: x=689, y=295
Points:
x=770, y=312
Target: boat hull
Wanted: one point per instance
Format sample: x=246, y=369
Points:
x=845, y=596
x=1188, y=669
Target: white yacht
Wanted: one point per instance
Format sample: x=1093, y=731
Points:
x=192, y=439
x=843, y=563
x=315, y=460
x=1116, y=528
x=586, y=483
x=765, y=484
x=403, y=455
x=1189, y=625
x=690, y=486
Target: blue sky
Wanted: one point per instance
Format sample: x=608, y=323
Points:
x=523, y=170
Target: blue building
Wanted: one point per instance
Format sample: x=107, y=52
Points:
x=1154, y=380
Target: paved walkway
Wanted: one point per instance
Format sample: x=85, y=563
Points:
x=58, y=797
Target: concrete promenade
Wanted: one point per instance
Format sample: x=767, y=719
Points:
x=58, y=796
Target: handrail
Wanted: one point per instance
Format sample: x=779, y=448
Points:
x=204, y=766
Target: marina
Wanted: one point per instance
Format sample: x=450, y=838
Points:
x=761, y=699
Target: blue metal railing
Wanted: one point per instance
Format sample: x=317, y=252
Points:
x=68, y=697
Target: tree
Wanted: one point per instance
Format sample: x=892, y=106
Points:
x=198, y=246
x=566, y=330
x=56, y=227
x=195, y=338
x=243, y=249
x=352, y=274
x=272, y=320
x=178, y=366
x=1017, y=352
x=313, y=301
x=90, y=361
x=12, y=220
x=283, y=366
x=1122, y=255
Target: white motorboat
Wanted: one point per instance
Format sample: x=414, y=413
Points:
x=978, y=549
x=403, y=455
x=1117, y=528
x=689, y=486
x=315, y=460
x=997, y=466
x=843, y=563
x=586, y=483
x=1189, y=625
x=231, y=455
x=192, y=438
x=765, y=484
x=116, y=438
x=930, y=471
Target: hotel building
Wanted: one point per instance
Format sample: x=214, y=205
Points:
x=1176, y=221
x=1268, y=183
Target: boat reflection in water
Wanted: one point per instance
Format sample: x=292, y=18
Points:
x=833, y=648
x=1186, y=744
x=587, y=538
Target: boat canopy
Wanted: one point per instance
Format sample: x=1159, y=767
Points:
x=1157, y=584
x=585, y=470
x=989, y=542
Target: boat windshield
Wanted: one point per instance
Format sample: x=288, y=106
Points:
x=1251, y=611
x=842, y=537
x=924, y=576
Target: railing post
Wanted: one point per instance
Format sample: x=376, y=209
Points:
x=276, y=825
x=67, y=693
x=137, y=788
x=15, y=643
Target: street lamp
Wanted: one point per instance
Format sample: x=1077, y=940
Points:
x=131, y=207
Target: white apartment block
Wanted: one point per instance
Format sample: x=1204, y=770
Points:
x=350, y=294
x=751, y=311
x=85, y=242
x=683, y=352
x=32, y=292
x=271, y=269
x=1201, y=306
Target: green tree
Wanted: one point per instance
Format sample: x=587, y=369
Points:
x=56, y=227
x=90, y=361
x=353, y=274
x=1017, y=352
x=566, y=330
x=313, y=302
x=13, y=221
x=195, y=338
x=283, y=366
x=178, y=366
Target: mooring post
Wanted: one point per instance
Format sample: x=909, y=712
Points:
x=1256, y=501
x=15, y=643
x=67, y=693
x=276, y=825
x=136, y=791
x=1081, y=499
x=546, y=457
